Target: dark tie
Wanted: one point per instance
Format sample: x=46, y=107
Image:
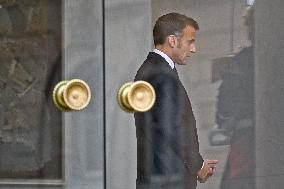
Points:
x=175, y=70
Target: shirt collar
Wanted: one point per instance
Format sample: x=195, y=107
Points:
x=166, y=57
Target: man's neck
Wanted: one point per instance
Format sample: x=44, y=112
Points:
x=164, y=49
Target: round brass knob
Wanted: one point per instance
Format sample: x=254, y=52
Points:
x=71, y=95
x=136, y=96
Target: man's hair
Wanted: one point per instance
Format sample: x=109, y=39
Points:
x=171, y=24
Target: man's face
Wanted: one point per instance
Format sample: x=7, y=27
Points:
x=185, y=46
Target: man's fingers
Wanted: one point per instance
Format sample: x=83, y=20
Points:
x=211, y=161
x=210, y=172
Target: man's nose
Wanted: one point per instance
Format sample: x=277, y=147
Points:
x=193, y=48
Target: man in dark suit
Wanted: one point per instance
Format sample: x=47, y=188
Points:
x=168, y=150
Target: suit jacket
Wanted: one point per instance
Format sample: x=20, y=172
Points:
x=167, y=142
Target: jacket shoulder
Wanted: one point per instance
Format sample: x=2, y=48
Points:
x=153, y=68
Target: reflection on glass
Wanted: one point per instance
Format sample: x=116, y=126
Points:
x=235, y=112
x=30, y=127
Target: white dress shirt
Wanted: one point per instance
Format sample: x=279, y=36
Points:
x=168, y=59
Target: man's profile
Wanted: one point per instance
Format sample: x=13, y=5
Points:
x=168, y=150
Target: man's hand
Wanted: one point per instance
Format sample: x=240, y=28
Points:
x=207, y=170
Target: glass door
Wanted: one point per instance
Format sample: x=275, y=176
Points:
x=219, y=79
x=51, y=98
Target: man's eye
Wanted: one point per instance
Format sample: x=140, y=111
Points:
x=190, y=42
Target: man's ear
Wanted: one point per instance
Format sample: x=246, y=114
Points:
x=172, y=41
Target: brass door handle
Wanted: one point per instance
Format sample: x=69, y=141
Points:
x=136, y=96
x=71, y=95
